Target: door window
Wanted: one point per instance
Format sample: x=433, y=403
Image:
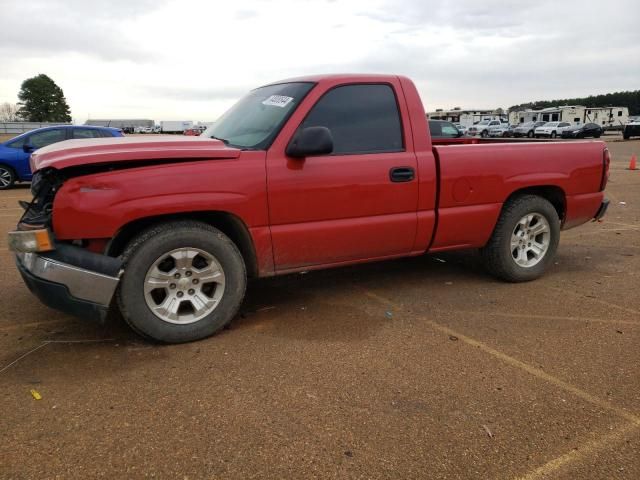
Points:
x=42, y=139
x=18, y=143
x=86, y=133
x=361, y=118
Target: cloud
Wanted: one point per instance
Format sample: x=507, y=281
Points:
x=186, y=92
x=97, y=29
x=170, y=59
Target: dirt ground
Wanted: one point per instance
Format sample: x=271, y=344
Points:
x=418, y=368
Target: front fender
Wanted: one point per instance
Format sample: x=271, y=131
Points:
x=99, y=205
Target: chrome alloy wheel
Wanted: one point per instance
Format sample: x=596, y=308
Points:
x=530, y=240
x=184, y=285
x=5, y=177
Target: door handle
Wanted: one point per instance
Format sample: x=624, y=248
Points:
x=402, y=174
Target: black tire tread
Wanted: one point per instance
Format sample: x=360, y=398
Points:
x=14, y=177
x=492, y=254
x=152, y=232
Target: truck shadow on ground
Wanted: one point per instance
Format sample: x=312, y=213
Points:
x=330, y=305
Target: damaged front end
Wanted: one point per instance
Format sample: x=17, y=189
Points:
x=62, y=275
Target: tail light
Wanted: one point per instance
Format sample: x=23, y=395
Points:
x=606, y=162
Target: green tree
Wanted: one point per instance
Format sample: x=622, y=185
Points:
x=41, y=100
x=629, y=99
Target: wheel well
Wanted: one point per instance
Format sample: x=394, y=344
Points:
x=227, y=223
x=10, y=168
x=555, y=195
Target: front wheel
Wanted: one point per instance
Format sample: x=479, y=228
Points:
x=554, y=134
x=484, y=134
x=7, y=177
x=530, y=134
x=182, y=281
x=524, y=241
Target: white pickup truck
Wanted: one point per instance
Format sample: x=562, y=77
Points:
x=482, y=128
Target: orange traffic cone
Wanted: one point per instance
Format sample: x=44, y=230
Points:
x=632, y=162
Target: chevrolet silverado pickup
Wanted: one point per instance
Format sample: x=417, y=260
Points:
x=301, y=174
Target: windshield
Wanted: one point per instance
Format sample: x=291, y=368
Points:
x=525, y=125
x=551, y=124
x=255, y=120
x=484, y=122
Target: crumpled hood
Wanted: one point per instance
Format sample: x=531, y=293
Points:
x=128, y=149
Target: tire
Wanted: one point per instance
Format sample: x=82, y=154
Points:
x=151, y=254
x=554, y=134
x=7, y=177
x=484, y=134
x=530, y=134
x=498, y=253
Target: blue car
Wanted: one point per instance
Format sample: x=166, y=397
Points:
x=15, y=153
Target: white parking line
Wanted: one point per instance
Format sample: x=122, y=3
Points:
x=590, y=447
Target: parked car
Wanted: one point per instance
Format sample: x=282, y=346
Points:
x=15, y=153
x=583, y=131
x=504, y=130
x=631, y=129
x=461, y=128
x=527, y=129
x=551, y=129
x=443, y=129
x=298, y=175
x=482, y=128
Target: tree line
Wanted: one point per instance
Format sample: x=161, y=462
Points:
x=629, y=99
x=41, y=100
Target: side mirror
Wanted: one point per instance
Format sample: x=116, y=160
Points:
x=310, y=141
x=26, y=148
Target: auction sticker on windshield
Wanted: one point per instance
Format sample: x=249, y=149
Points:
x=277, y=101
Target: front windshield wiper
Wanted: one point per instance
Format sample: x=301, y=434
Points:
x=223, y=140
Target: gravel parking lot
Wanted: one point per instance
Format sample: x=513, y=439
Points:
x=418, y=368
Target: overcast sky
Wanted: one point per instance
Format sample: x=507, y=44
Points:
x=178, y=60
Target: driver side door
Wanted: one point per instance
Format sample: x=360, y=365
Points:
x=357, y=203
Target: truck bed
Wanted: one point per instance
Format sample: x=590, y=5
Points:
x=477, y=176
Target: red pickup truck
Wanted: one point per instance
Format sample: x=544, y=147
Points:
x=301, y=174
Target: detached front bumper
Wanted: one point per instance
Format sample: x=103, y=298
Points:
x=71, y=279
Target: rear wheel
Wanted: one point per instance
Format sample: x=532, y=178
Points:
x=7, y=177
x=182, y=281
x=524, y=241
